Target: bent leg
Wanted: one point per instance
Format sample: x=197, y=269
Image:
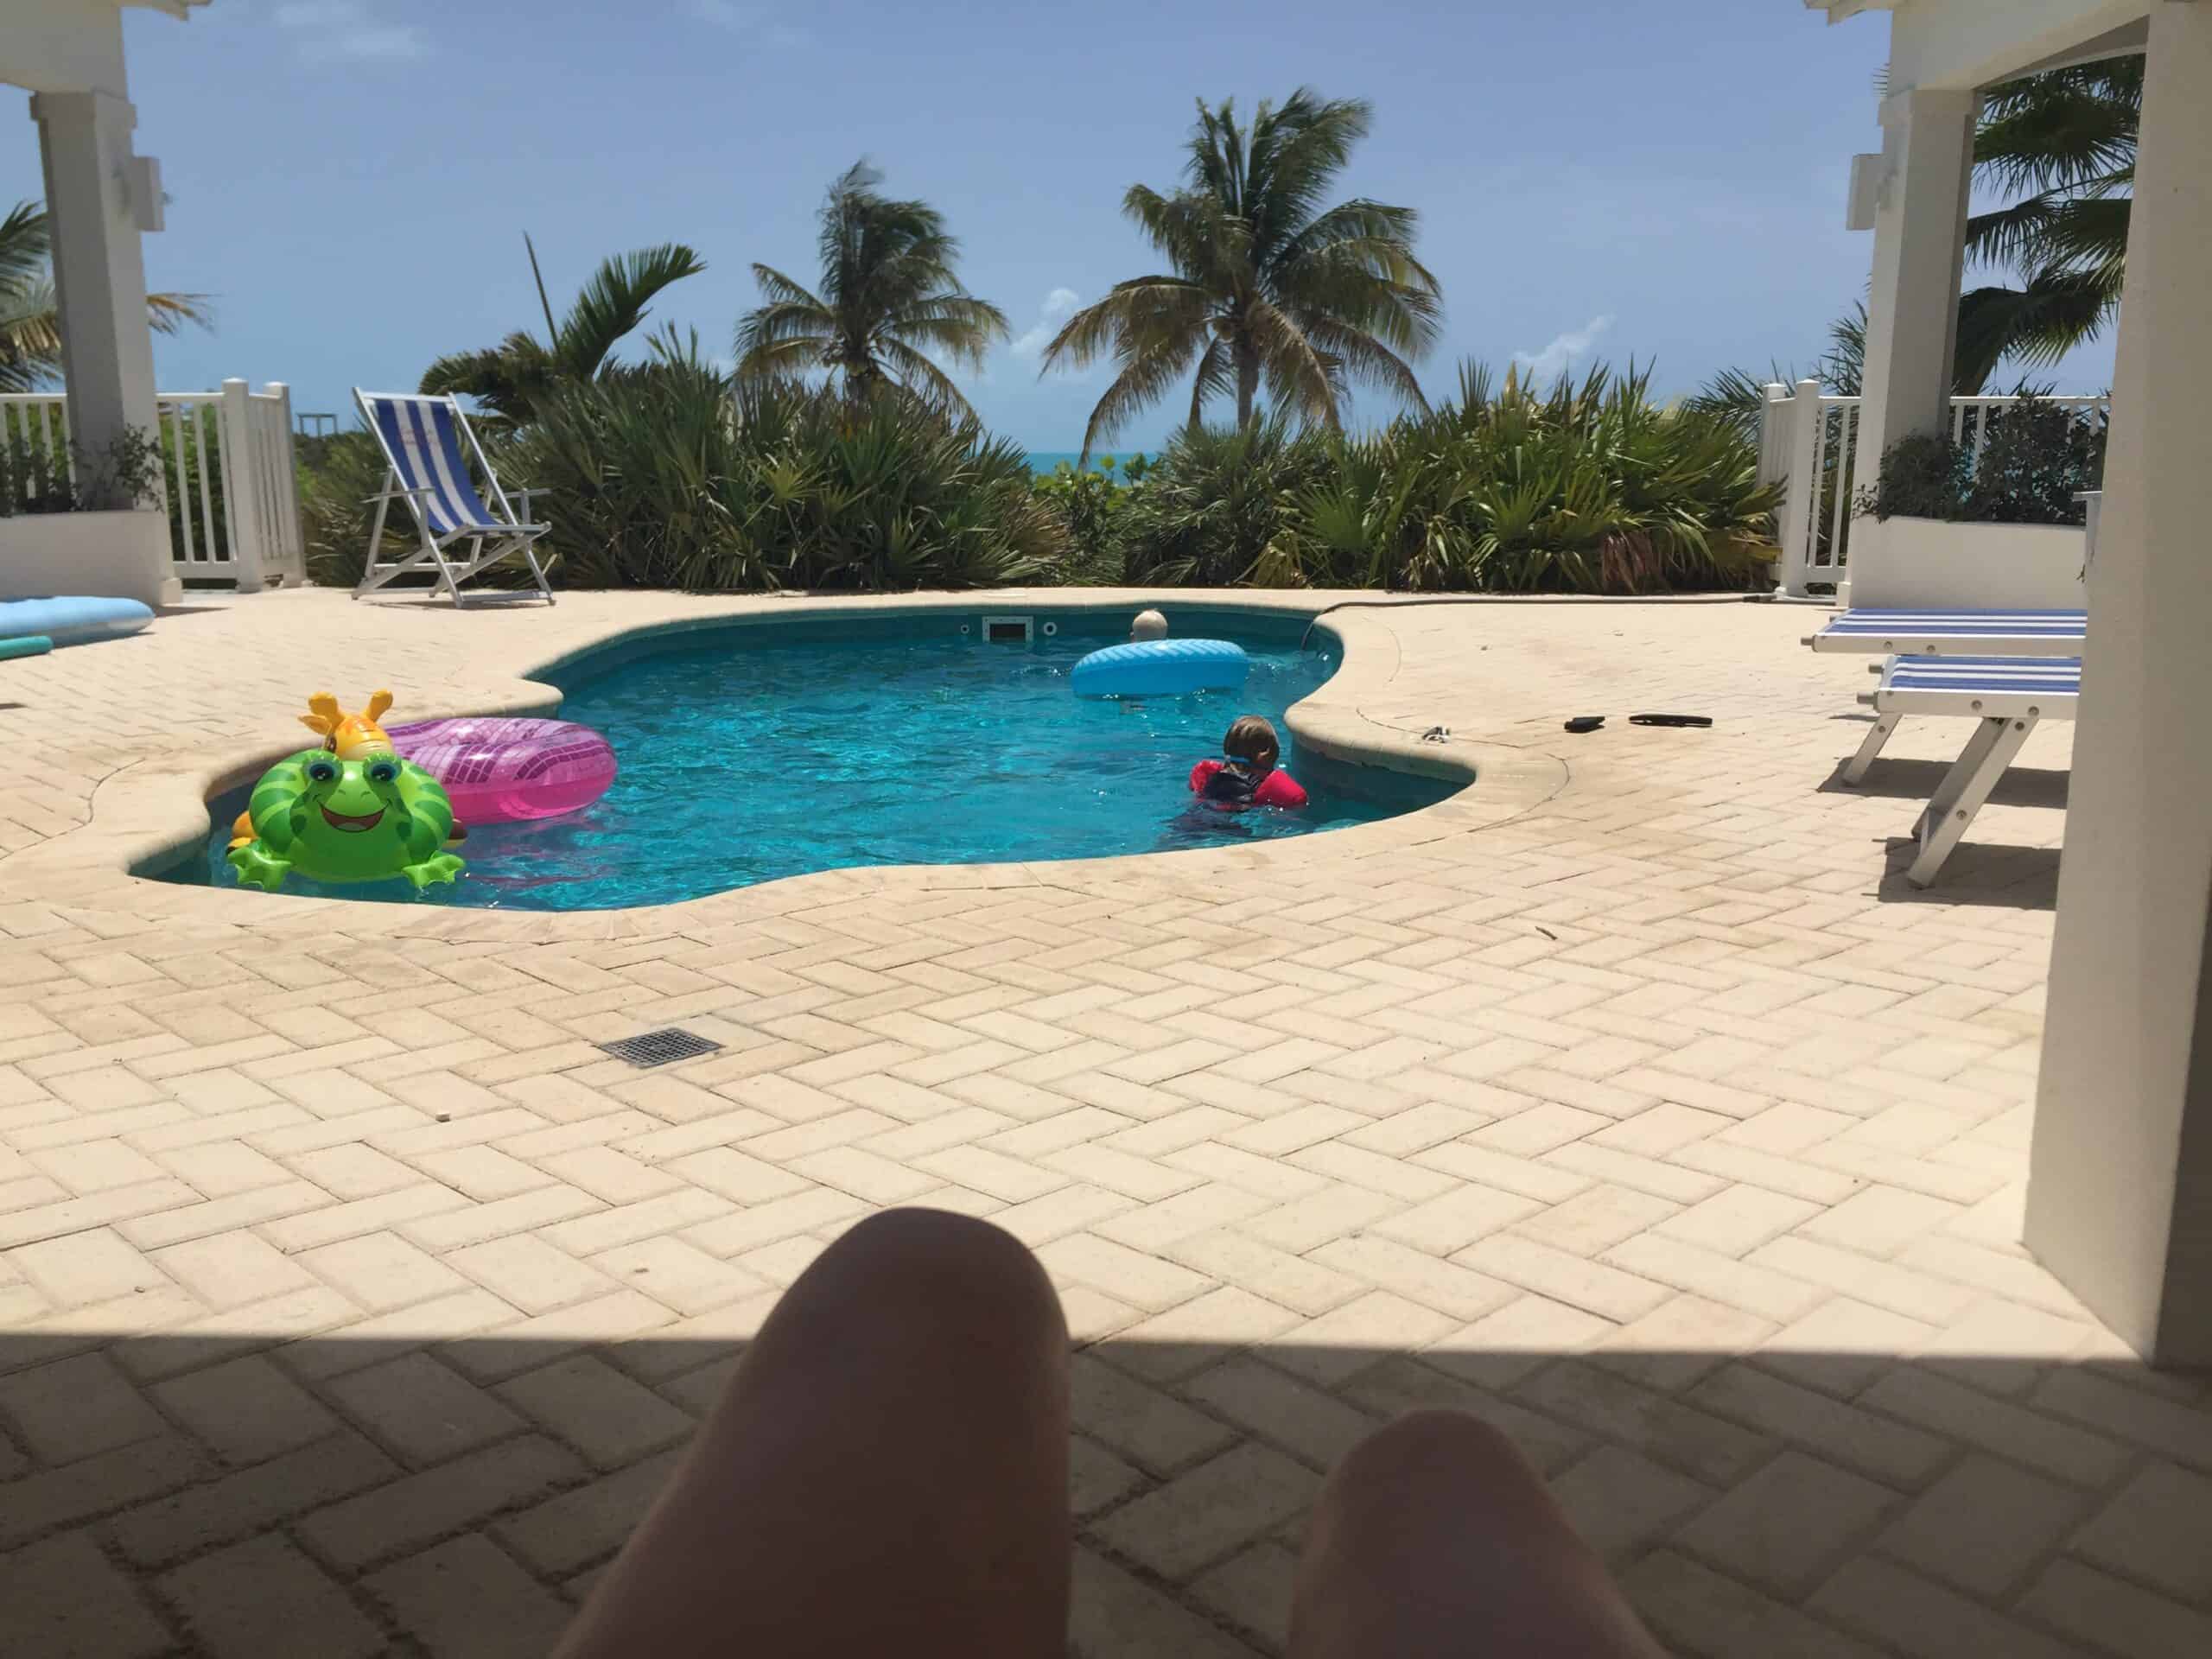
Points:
x=1433, y=1536
x=887, y=1473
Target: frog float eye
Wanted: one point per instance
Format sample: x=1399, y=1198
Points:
x=322, y=772
x=383, y=771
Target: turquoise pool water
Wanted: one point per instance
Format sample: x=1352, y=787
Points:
x=750, y=754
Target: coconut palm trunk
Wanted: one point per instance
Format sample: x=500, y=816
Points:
x=1247, y=381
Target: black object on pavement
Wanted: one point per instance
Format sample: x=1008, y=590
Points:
x=1586, y=722
x=1670, y=720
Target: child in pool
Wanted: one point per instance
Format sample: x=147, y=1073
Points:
x=1248, y=776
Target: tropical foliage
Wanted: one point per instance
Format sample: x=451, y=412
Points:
x=1590, y=488
x=126, y=472
x=2034, y=458
x=1736, y=394
x=1265, y=286
x=668, y=476
x=30, y=321
x=512, y=378
x=891, y=303
x=1091, y=501
x=2064, y=143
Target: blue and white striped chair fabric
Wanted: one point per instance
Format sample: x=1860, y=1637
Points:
x=423, y=434
x=428, y=445
x=2007, y=696
x=1946, y=632
x=1983, y=681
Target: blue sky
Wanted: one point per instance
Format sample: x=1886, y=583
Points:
x=351, y=179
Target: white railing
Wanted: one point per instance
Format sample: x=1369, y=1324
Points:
x=1808, y=440
x=233, y=517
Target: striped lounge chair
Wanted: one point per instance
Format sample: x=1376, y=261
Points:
x=1945, y=633
x=1952, y=633
x=428, y=447
x=2007, y=696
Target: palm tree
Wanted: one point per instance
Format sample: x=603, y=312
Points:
x=2066, y=137
x=510, y=377
x=889, y=299
x=30, y=322
x=1267, y=285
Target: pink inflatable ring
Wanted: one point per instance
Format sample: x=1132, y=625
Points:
x=504, y=770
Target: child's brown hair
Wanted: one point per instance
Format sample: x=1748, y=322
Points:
x=1251, y=738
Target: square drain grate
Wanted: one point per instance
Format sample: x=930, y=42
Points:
x=659, y=1047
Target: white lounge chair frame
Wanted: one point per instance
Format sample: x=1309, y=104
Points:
x=1894, y=632
x=501, y=532
x=2008, y=698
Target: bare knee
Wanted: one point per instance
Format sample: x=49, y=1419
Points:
x=1436, y=1443
x=1436, y=1459
x=935, y=1258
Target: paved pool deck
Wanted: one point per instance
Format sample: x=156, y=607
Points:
x=353, y=1302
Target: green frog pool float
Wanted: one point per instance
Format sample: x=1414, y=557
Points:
x=333, y=819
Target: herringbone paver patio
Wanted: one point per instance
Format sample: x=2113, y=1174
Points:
x=353, y=1302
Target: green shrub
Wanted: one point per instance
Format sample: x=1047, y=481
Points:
x=1923, y=476
x=667, y=477
x=2035, y=457
x=1588, y=488
x=126, y=472
x=1092, y=502
x=1218, y=509
x=335, y=482
x=664, y=476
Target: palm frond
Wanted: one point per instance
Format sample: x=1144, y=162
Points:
x=614, y=301
x=2038, y=323
x=1141, y=307
x=172, y=314
x=2069, y=128
x=25, y=243
x=1299, y=373
x=1148, y=369
x=960, y=325
x=1215, y=375
x=925, y=380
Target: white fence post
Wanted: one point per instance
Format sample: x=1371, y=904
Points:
x=241, y=499
x=1774, y=441
x=1800, y=510
x=287, y=547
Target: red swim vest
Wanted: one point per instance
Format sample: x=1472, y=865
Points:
x=1220, y=785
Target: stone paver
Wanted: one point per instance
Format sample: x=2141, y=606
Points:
x=1627, y=1099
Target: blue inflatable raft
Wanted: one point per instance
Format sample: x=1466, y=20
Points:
x=1161, y=668
x=72, y=620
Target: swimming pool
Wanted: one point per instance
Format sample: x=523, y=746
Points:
x=764, y=750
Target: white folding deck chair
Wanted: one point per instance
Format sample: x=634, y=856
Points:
x=1944, y=633
x=2007, y=696
x=427, y=445
x=1955, y=632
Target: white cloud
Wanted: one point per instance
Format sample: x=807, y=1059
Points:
x=1564, y=352
x=742, y=20
x=348, y=30
x=1059, y=306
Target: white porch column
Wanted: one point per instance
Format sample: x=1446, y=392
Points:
x=1912, y=308
x=2119, y=1197
x=99, y=270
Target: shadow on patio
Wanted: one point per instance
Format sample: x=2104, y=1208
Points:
x=1916, y=780
x=326, y=1497
x=1977, y=872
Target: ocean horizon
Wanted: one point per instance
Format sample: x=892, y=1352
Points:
x=1047, y=460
